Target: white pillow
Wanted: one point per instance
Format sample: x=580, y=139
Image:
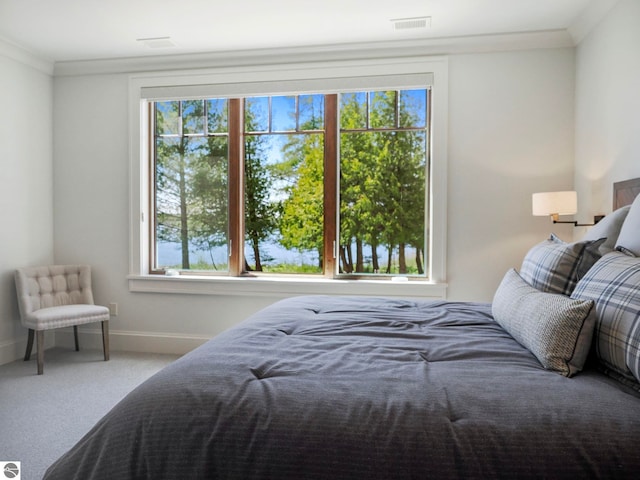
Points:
x=609, y=227
x=629, y=238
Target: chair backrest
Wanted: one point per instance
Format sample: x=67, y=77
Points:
x=53, y=286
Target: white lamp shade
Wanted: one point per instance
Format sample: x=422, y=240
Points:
x=555, y=203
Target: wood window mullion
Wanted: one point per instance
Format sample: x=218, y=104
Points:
x=330, y=196
x=236, y=188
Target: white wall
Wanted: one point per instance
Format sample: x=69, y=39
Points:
x=26, y=187
x=91, y=181
x=511, y=133
x=608, y=108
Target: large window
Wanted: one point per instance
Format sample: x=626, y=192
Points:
x=321, y=177
x=323, y=184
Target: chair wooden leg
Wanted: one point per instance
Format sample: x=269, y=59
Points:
x=27, y=354
x=105, y=339
x=75, y=337
x=40, y=350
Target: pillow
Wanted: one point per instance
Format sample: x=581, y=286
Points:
x=614, y=284
x=555, y=266
x=629, y=240
x=555, y=328
x=609, y=228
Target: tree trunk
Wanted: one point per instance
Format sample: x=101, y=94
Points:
x=402, y=261
x=256, y=254
x=419, y=261
x=346, y=265
x=359, y=259
x=343, y=261
x=374, y=256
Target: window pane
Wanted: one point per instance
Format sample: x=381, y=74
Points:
x=283, y=203
x=217, y=115
x=311, y=112
x=383, y=109
x=382, y=186
x=191, y=203
x=413, y=108
x=382, y=203
x=168, y=118
x=256, y=114
x=353, y=111
x=283, y=114
x=193, y=117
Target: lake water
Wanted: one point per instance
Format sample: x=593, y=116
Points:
x=170, y=255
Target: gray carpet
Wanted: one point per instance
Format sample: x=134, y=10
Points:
x=42, y=416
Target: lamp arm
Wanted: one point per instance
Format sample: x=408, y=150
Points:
x=596, y=219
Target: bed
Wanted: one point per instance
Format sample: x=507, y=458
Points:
x=321, y=387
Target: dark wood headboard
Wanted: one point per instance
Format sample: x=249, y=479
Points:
x=625, y=192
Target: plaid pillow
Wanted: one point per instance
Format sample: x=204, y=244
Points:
x=614, y=284
x=554, y=266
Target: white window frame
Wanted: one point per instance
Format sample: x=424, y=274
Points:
x=272, y=79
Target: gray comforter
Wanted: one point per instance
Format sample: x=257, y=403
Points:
x=332, y=388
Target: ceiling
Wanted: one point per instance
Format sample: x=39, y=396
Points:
x=72, y=30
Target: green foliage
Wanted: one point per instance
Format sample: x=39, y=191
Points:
x=382, y=182
x=382, y=185
x=301, y=222
x=292, y=268
x=383, y=177
x=260, y=212
x=191, y=179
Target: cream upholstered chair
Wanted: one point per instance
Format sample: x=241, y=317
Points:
x=57, y=296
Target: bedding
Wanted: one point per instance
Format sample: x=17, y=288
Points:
x=354, y=388
x=364, y=388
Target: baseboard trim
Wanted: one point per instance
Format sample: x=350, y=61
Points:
x=129, y=341
x=14, y=349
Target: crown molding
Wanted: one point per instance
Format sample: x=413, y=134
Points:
x=590, y=18
x=21, y=55
x=352, y=51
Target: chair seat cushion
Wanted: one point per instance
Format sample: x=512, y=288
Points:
x=65, y=315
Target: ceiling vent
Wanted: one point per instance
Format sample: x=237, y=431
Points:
x=411, y=23
x=156, y=42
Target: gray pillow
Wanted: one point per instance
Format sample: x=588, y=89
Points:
x=629, y=239
x=609, y=228
x=554, y=266
x=555, y=328
x=614, y=284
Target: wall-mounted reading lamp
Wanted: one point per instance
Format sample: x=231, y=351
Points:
x=554, y=204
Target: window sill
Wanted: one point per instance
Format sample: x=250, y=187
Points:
x=262, y=286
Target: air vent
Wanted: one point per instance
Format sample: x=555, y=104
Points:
x=157, y=42
x=411, y=23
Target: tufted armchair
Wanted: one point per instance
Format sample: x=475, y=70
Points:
x=58, y=296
